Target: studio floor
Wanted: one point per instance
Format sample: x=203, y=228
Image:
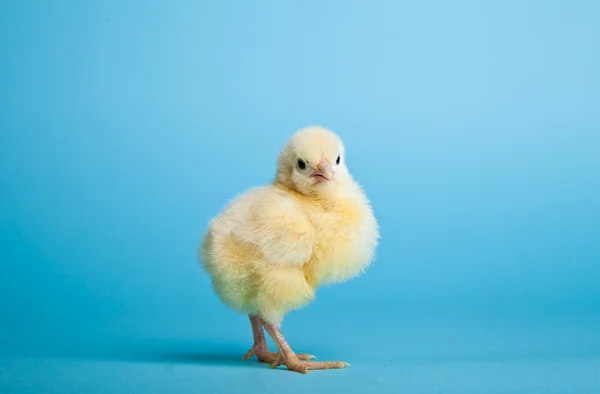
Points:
x=559, y=356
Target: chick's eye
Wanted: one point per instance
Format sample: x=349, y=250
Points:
x=338, y=160
x=301, y=164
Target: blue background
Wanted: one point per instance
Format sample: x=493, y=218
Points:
x=473, y=125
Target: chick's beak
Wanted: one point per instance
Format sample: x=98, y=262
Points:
x=323, y=170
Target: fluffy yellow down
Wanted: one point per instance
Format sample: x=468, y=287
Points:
x=272, y=246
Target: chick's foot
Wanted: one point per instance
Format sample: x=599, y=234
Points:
x=262, y=353
x=303, y=366
x=296, y=362
x=260, y=348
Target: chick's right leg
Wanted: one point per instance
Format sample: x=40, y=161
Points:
x=260, y=348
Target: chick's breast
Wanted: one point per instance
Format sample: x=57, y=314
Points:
x=254, y=251
x=346, y=236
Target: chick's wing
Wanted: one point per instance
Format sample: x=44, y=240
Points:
x=276, y=226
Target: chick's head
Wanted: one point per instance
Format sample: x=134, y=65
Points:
x=313, y=162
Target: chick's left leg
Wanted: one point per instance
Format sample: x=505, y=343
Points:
x=293, y=361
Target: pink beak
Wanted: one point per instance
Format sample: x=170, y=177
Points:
x=324, y=170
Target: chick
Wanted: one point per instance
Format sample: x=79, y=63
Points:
x=271, y=247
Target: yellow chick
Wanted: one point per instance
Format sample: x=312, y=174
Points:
x=271, y=247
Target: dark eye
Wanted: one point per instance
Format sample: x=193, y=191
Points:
x=338, y=160
x=301, y=164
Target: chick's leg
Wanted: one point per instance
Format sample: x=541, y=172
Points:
x=260, y=348
x=292, y=360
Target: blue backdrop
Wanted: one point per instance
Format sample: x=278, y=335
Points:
x=473, y=126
